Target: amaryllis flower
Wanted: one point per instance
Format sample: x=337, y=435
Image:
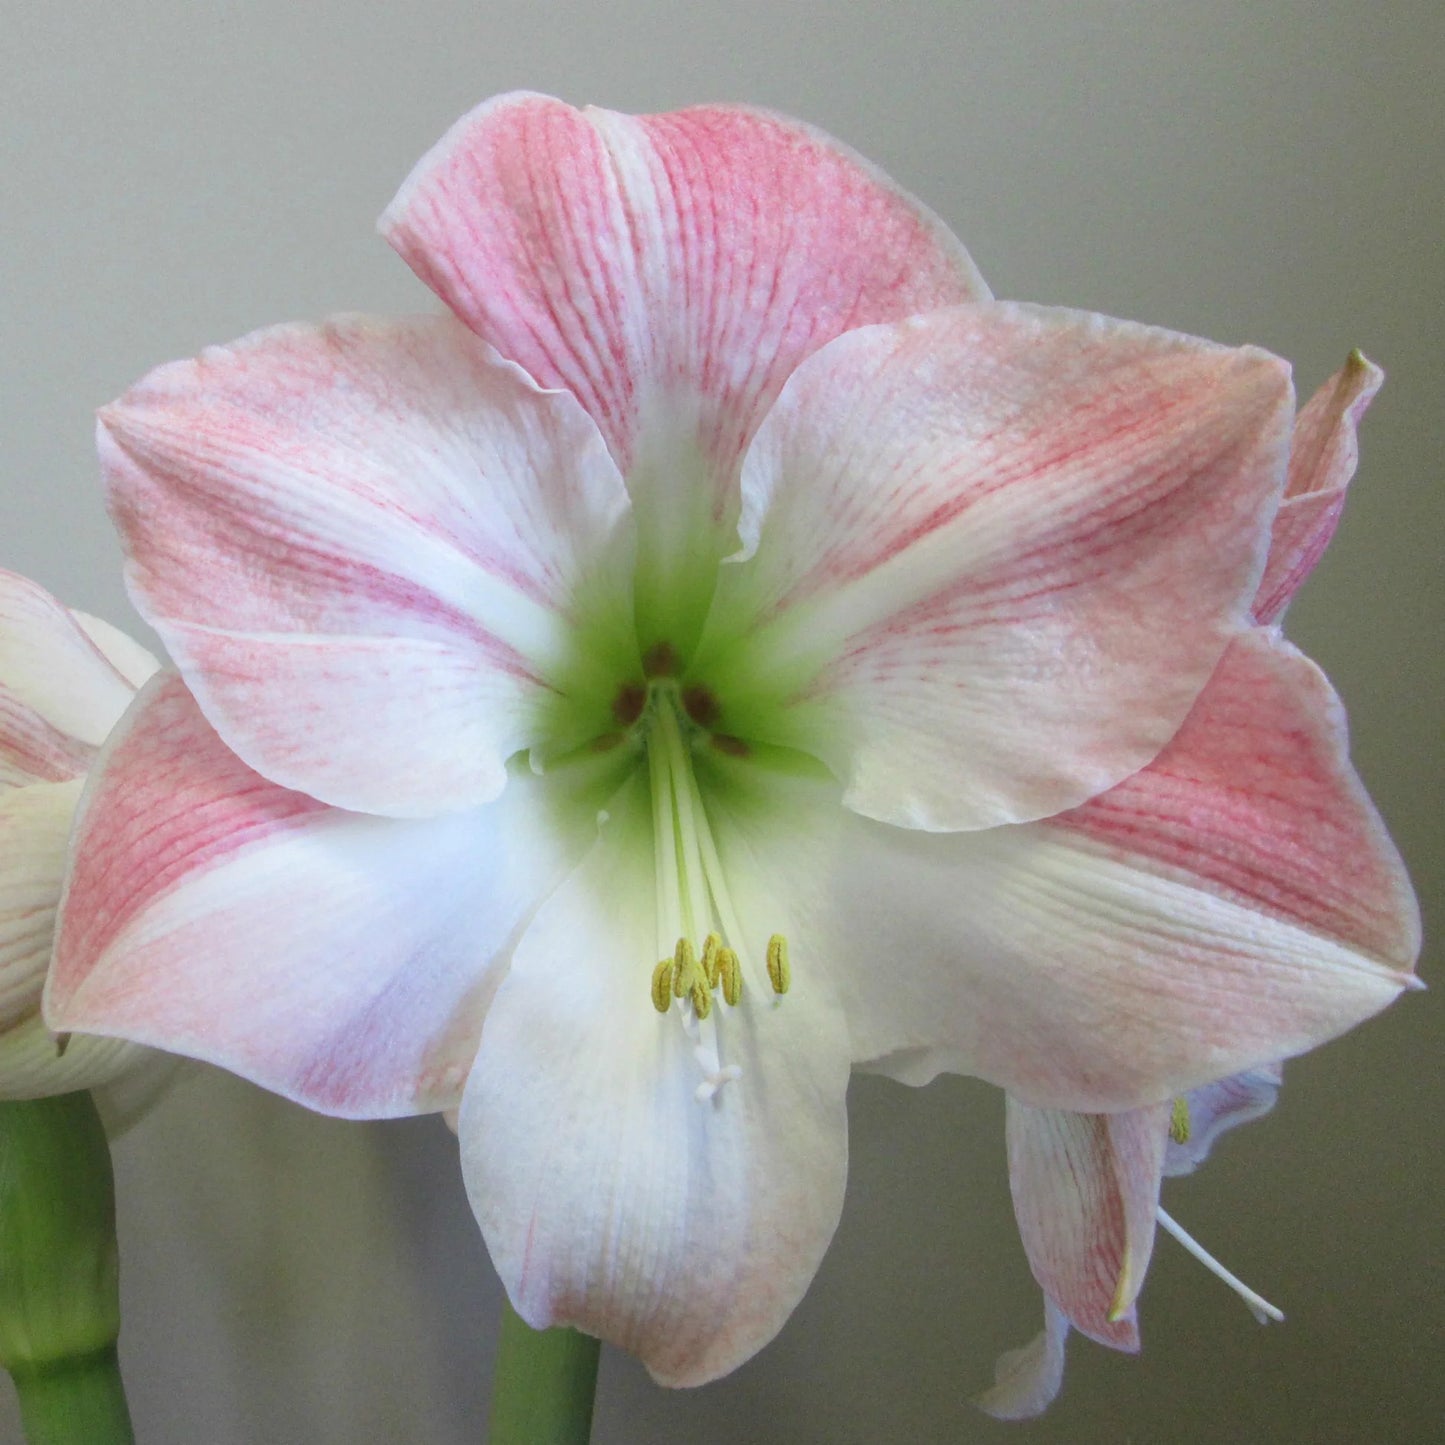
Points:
x=1259, y=774
x=65, y=679
x=627, y=702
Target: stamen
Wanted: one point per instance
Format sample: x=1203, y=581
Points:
x=1257, y=1305
x=780, y=975
x=701, y=998
x=711, y=948
x=684, y=963
x=731, y=976
x=710, y=1085
x=662, y=986
x=1179, y=1122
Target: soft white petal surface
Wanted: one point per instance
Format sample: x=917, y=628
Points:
x=1236, y=903
x=64, y=681
x=340, y=959
x=610, y=1196
x=992, y=554
x=326, y=524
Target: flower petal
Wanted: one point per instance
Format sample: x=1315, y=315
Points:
x=611, y=1196
x=632, y=258
x=326, y=523
x=1236, y=903
x=342, y=960
x=61, y=690
x=1085, y=1190
x=1216, y=1108
x=34, y=827
x=1027, y=1380
x=995, y=552
x=669, y=271
x=1322, y=460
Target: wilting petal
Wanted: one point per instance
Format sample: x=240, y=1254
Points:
x=995, y=553
x=1027, y=1379
x=1236, y=903
x=611, y=1196
x=327, y=524
x=64, y=680
x=336, y=958
x=1216, y=1108
x=670, y=271
x=1085, y=1190
x=1322, y=460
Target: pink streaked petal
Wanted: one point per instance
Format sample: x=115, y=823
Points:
x=611, y=1195
x=670, y=271
x=1216, y=1108
x=1003, y=548
x=342, y=960
x=1255, y=801
x=1085, y=1190
x=314, y=516
x=1075, y=973
x=1323, y=458
x=61, y=690
x=1027, y=1380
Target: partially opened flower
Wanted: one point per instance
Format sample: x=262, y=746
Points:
x=65, y=679
x=632, y=700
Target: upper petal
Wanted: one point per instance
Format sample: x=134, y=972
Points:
x=325, y=524
x=614, y=1198
x=994, y=553
x=340, y=959
x=640, y=260
x=670, y=271
x=1235, y=903
x=1323, y=457
x=64, y=680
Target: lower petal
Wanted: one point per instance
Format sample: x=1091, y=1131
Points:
x=680, y=1222
x=1026, y=1380
x=1085, y=1190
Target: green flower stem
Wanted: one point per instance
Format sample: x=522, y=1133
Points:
x=543, y=1385
x=59, y=1298
x=75, y=1400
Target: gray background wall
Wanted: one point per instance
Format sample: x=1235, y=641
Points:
x=176, y=173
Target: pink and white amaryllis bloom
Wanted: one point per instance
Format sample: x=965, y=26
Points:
x=625, y=703
x=65, y=679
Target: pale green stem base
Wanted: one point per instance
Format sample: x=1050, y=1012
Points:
x=543, y=1385
x=75, y=1401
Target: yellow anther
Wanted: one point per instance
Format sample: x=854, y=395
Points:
x=1179, y=1124
x=662, y=986
x=730, y=975
x=701, y=999
x=780, y=975
x=712, y=950
x=684, y=962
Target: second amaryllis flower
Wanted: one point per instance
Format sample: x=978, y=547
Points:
x=632, y=700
